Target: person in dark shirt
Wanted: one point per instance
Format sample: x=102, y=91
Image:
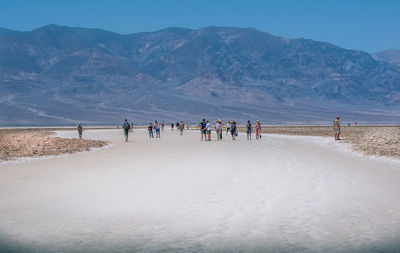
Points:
x=203, y=129
x=150, y=129
x=126, y=126
x=80, y=130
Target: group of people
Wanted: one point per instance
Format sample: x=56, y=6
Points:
x=231, y=127
x=157, y=127
x=206, y=129
x=180, y=126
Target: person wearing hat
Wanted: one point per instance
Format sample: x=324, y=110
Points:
x=150, y=130
x=336, y=128
x=80, y=129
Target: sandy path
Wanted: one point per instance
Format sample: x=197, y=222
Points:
x=177, y=194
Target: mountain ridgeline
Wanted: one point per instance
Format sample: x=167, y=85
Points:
x=59, y=75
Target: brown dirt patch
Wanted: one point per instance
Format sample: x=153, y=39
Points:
x=17, y=143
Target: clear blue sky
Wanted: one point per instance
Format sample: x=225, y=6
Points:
x=369, y=25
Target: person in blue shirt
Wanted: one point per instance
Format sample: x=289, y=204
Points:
x=203, y=129
x=80, y=130
x=249, y=130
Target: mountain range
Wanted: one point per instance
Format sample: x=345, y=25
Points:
x=391, y=56
x=60, y=75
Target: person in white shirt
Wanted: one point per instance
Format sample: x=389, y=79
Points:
x=228, y=127
x=217, y=129
x=208, y=127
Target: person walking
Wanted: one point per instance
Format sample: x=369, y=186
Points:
x=80, y=129
x=203, y=129
x=336, y=128
x=228, y=127
x=131, y=127
x=162, y=126
x=172, y=126
x=249, y=129
x=258, y=130
x=177, y=126
x=233, y=130
x=181, y=127
x=126, y=126
x=217, y=129
x=157, y=127
x=208, y=127
x=220, y=129
x=150, y=130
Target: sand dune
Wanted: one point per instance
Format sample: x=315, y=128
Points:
x=178, y=194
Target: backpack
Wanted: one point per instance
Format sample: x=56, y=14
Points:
x=126, y=126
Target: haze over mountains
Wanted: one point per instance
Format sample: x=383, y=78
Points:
x=60, y=75
x=391, y=56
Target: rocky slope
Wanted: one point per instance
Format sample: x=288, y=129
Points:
x=58, y=75
x=391, y=56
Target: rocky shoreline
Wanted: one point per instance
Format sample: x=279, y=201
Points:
x=18, y=143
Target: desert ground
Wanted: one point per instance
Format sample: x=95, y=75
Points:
x=179, y=194
x=368, y=140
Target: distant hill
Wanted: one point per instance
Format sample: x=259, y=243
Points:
x=391, y=56
x=59, y=75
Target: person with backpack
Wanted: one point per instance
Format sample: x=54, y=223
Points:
x=80, y=129
x=126, y=126
x=249, y=130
